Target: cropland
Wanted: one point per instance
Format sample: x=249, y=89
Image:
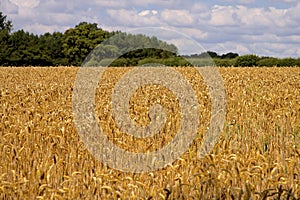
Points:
x=257, y=155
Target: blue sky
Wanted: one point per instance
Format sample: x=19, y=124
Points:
x=265, y=28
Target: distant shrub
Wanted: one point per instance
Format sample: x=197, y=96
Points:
x=247, y=61
x=288, y=62
x=268, y=62
x=224, y=62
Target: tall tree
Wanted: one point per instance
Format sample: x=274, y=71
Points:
x=81, y=40
x=5, y=30
x=51, y=50
x=129, y=49
x=247, y=61
x=23, y=49
x=4, y=37
x=5, y=24
x=229, y=55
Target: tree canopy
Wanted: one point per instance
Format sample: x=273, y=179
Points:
x=5, y=25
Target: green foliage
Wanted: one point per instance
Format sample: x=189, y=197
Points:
x=123, y=62
x=268, y=62
x=200, y=62
x=23, y=49
x=5, y=29
x=80, y=41
x=247, y=61
x=128, y=50
x=276, y=62
x=51, y=49
x=224, y=62
x=4, y=45
x=172, y=61
x=176, y=61
x=149, y=56
x=213, y=54
x=286, y=62
x=5, y=25
x=229, y=55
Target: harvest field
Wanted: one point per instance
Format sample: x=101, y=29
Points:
x=257, y=155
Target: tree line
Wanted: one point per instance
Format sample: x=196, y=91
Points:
x=74, y=47
x=83, y=45
x=22, y=48
x=254, y=60
x=233, y=59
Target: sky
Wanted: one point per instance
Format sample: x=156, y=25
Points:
x=261, y=27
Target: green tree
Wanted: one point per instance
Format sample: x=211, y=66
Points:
x=4, y=38
x=23, y=49
x=5, y=30
x=287, y=62
x=212, y=54
x=78, y=42
x=128, y=50
x=247, y=61
x=229, y=55
x=51, y=49
x=224, y=62
x=268, y=62
x=5, y=24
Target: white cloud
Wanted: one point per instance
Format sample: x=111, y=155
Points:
x=187, y=46
x=271, y=38
x=109, y=3
x=197, y=7
x=276, y=49
x=239, y=1
x=144, y=13
x=40, y=28
x=249, y=17
x=223, y=15
x=161, y=3
x=154, y=12
x=293, y=13
x=147, y=12
x=269, y=17
x=246, y=1
x=285, y=1
x=194, y=33
x=225, y=47
x=177, y=17
x=132, y=18
x=26, y=3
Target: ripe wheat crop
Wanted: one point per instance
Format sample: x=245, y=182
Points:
x=257, y=155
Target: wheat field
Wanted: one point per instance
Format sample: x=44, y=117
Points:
x=257, y=155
